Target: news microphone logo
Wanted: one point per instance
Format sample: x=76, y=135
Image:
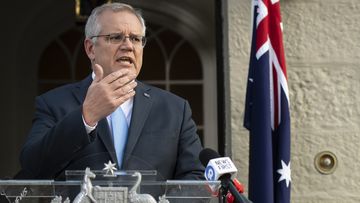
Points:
x=210, y=173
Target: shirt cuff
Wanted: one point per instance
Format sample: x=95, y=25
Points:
x=88, y=128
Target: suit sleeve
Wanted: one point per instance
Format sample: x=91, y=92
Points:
x=54, y=138
x=188, y=164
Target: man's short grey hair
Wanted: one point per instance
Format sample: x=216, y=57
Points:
x=93, y=27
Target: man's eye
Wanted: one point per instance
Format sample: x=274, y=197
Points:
x=135, y=38
x=116, y=37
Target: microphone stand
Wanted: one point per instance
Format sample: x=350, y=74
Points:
x=228, y=185
x=223, y=191
x=238, y=197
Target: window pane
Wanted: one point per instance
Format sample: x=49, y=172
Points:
x=159, y=86
x=83, y=65
x=44, y=87
x=186, y=64
x=169, y=39
x=71, y=39
x=153, y=62
x=54, y=64
x=194, y=94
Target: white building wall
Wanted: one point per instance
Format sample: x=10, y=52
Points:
x=322, y=47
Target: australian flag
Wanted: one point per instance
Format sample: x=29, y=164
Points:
x=267, y=115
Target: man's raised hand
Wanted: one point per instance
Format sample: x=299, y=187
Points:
x=105, y=94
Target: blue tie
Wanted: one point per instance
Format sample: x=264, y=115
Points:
x=119, y=131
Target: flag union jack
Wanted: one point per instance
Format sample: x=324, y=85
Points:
x=267, y=115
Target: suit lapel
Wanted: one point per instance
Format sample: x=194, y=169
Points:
x=141, y=108
x=103, y=131
x=104, y=134
x=81, y=88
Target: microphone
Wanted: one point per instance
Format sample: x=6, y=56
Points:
x=223, y=169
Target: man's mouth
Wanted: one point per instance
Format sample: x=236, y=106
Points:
x=125, y=60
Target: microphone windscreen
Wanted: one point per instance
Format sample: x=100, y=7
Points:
x=206, y=155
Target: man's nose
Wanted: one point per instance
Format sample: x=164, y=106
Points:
x=126, y=44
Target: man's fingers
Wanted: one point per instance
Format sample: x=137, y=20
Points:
x=121, y=82
x=125, y=89
x=98, y=70
x=125, y=97
x=122, y=76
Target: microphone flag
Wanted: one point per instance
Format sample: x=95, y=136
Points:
x=267, y=115
x=218, y=167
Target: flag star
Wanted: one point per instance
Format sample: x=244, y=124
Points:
x=109, y=168
x=285, y=173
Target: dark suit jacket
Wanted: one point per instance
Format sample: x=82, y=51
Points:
x=162, y=136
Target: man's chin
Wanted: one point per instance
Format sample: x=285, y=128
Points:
x=131, y=69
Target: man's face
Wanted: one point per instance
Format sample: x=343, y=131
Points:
x=116, y=56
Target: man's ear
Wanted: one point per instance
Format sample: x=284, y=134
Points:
x=89, y=48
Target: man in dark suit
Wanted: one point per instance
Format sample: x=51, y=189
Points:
x=74, y=125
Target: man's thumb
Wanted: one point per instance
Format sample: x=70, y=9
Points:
x=98, y=70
